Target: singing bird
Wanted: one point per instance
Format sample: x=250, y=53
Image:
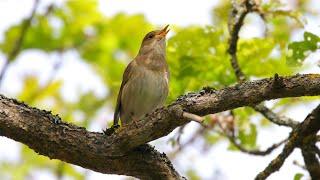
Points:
x=145, y=81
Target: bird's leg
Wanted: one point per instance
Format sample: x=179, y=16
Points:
x=111, y=130
x=115, y=126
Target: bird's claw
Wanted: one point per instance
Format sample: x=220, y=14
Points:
x=115, y=126
x=55, y=119
x=111, y=130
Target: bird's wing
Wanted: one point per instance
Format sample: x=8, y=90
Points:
x=125, y=78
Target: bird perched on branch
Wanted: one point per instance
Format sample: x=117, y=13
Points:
x=144, y=84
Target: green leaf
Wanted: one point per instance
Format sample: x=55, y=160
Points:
x=260, y=51
x=298, y=176
x=298, y=51
x=248, y=137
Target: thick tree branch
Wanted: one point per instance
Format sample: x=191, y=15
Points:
x=236, y=19
x=310, y=159
x=114, y=154
x=309, y=127
x=163, y=121
x=310, y=151
x=72, y=144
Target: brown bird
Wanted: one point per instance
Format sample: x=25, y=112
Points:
x=145, y=81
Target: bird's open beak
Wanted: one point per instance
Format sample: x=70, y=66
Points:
x=163, y=32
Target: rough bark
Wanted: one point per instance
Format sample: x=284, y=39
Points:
x=310, y=160
x=238, y=13
x=37, y=129
x=299, y=137
x=118, y=153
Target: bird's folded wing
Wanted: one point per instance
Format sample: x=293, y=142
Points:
x=125, y=79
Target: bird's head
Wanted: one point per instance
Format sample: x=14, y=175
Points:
x=154, y=41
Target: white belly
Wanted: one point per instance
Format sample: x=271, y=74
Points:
x=143, y=94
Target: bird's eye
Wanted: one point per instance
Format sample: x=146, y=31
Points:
x=150, y=36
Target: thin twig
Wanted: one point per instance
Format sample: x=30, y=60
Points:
x=256, y=151
x=236, y=19
x=199, y=132
x=276, y=163
x=309, y=127
x=193, y=117
x=273, y=117
x=295, y=162
x=180, y=132
x=18, y=43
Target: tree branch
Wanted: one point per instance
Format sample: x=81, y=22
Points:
x=17, y=46
x=236, y=19
x=273, y=117
x=309, y=127
x=256, y=152
x=310, y=160
x=72, y=144
x=114, y=154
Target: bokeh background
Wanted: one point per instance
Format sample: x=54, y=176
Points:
x=74, y=52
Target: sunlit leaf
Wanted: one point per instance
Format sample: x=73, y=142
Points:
x=298, y=176
x=298, y=51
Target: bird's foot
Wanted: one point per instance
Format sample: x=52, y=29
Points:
x=111, y=130
x=55, y=119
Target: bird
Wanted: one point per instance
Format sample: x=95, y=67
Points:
x=145, y=81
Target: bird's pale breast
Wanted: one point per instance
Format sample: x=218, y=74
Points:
x=146, y=91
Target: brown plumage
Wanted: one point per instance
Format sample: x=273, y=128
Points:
x=144, y=85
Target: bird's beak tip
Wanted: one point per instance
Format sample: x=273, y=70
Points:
x=166, y=27
x=163, y=32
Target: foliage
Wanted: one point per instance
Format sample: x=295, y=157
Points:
x=298, y=176
x=300, y=50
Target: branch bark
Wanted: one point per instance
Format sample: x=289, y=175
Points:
x=256, y=152
x=275, y=118
x=310, y=159
x=117, y=154
x=309, y=127
x=66, y=142
x=237, y=16
x=236, y=19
